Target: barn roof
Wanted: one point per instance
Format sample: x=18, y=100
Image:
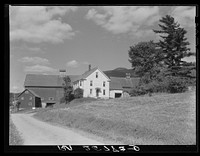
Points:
x=46, y=80
x=32, y=92
x=122, y=83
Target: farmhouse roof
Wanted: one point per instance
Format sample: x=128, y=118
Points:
x=122, y=83
x=87, y=73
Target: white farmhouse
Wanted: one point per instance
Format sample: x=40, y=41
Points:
x=94, y=83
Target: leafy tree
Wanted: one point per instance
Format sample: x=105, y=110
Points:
x=174, y=47
x=68, y=89
x=144, y=57
x=146, y=61
x=78, y=93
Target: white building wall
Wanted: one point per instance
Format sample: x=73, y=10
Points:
x=112, y=93
x=96, y=83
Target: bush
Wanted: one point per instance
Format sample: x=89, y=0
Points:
x=62, y=100
x=78, y=93
x=137, y=91
x=176, y=84
x=169, y=84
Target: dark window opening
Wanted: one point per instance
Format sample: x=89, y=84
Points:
x=117, y=95
x=49, y=104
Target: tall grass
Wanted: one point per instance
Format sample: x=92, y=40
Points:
x=14, y=136
x=161, y=119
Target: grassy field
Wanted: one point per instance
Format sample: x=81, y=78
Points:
x=14, y=136
x=165, y=119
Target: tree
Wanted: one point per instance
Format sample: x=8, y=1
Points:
x=68, y=89
x=174, y=47
x=78, y=93
x=146, y=61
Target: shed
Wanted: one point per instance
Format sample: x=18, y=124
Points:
x=120, y=86
x=29, y=99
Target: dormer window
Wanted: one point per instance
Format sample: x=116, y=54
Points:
x=96, y=74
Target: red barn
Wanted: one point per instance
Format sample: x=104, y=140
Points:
x=29, y=99
x=48, y=87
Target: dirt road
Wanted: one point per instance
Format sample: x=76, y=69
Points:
x=35, y=132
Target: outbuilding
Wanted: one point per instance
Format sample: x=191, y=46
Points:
x=121, y=86
x=29, y=99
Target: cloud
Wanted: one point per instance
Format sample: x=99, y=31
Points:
x=36, y=50
x=39, y=68
x=185, y=15
x=124, y=19
x=26, y=48
x=72, y=64
x=34, y=60
x=38, y=24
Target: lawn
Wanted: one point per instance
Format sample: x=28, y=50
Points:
x=163, y=119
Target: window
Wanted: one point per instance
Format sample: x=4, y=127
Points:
x=104, y=83
x=22, y=98
x=51, y=98
x=96, y=74
x=90, y=91
x=80, y=83
x=30, y=98
x=30, y=103
x=90, y=83
x=26, y=92
x=104, y=92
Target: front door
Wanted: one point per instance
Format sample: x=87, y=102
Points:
x=97, y=93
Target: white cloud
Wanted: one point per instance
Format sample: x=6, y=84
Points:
x=38, y=24
x=35, y=49
x=185, y=15
x=34, y=60
x=124, y=19
x=28, y=49
x=72, y=64
x=39, y=68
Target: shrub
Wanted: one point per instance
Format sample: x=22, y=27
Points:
x=62, y=100
x=78, y=93
x=170, y=84
x=137, y=91
x=176, y=84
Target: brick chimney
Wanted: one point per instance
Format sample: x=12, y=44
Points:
x=89, y=67
x=62, y=72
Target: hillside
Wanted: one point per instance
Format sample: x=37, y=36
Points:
x=119, y=72
x=163, y=119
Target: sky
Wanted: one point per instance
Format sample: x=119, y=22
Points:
x=44, y=39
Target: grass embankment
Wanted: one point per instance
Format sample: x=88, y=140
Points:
x=168, y=119
x=14, y=136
